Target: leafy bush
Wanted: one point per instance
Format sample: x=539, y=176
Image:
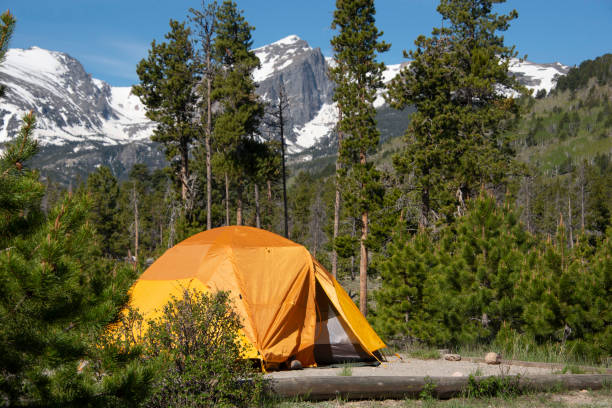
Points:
x=502, y=386
x=196, y=348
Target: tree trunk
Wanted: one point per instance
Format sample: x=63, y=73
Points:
x=184, y=172
x=269, y=207
x=582, y=198
x=353, y=232
x=425, y=206
x=257, y=213
x=528, y=207
x=363, y=267
x=207, y=142
x=135, y=222
x=363, y=261
x=282, y=135
x=569, y=219
x=269, y=190
x=334, y=257
x=227, y=212
x=239, y=204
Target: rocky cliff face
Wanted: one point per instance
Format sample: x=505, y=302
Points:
x=83, y=122
x=303, y=71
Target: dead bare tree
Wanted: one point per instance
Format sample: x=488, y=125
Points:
x=278, y=118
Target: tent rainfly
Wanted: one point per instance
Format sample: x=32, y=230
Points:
x=291, y=307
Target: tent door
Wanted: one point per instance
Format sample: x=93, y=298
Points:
x=334, y=339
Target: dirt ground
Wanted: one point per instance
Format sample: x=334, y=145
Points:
x=416, y=367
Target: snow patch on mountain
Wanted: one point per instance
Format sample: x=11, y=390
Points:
x=321, y=125
x=537, y=76
x=126, y=104
x=390, y=72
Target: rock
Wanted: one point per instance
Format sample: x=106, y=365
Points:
x=295, y=365
x=493, y=358
x=457, y=374
x=452, y=357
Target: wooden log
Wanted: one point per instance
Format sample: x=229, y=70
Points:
x=399, y=387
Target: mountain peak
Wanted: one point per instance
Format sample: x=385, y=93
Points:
x=289, y=40
x=34, y=60
x=279, y=55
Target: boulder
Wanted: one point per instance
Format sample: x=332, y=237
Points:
x=452, y=357
x=296, y=365
x=493, y=358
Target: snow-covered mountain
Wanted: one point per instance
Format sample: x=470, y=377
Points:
x=303, y=70
x=69, y=104
x=83, y=122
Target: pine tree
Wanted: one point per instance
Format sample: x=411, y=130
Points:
x=7, y=26
x=358, y=76
x=459, y=287
x=596, y=289
x=57, y=294
x=205, y=21
x=103, y=189
x=237, y=125
x=168, y=79
x=457, y=139
x=404, y=273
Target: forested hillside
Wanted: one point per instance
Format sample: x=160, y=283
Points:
x=566, y=141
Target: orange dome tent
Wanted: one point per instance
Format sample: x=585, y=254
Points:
x=290, y=305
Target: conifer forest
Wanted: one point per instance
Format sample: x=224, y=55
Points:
x=488, y=222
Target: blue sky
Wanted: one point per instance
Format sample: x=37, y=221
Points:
x=109, y=37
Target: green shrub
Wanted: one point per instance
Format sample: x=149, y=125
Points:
x=494, y=386
x=197, y=351
x=429, y=389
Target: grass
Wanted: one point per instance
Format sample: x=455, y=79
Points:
x=424, y=354
x=477, y=373
x=572, y=369
x=346, y=371
x=522, y=350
